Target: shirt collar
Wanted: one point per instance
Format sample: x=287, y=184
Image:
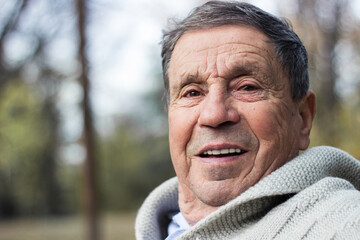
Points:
x=178, y=222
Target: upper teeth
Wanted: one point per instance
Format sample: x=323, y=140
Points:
x=222, y=151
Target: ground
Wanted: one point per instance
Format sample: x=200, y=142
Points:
x=113, y=227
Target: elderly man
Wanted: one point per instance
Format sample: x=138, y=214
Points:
x=240, y=110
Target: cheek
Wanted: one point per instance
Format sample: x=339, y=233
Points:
x=274, y=128
x=262, y=122
x=271, y=123
x=181, y=125
x=180, y=128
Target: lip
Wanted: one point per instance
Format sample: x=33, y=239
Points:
x=216, y=159
x=219, y=146
x=221, y=160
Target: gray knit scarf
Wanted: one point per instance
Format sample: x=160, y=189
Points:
x=314, y=196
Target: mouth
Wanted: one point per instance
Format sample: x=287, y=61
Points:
x=223, y=152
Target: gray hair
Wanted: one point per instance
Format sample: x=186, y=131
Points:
x=289, y=49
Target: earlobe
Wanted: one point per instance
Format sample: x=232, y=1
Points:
x=307, y=111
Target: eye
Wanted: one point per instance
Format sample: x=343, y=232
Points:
x=248, y=88
x=192, y=93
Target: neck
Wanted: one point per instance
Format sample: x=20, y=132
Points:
x=192, y=208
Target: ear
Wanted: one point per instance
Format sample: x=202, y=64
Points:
x=307, y=110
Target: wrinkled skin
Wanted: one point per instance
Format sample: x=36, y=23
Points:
x=228, y=90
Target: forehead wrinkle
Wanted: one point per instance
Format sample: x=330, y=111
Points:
x=211, y=68
x=249, y=64
x=232, y=69
x=225, y=57
x=224, y=46
x=198, y=71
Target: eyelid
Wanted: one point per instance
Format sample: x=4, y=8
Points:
x=241, y=82
x=190, y=88
x=251, y=85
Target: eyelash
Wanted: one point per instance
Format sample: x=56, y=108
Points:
x=188, y=93
x=248, y=88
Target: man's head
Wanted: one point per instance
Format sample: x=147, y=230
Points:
x=238, y=101
x=289, y=49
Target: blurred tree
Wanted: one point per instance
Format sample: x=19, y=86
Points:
x=39, y=190
x=22, y=144
x=135, y=158
x=327, y=29
x=10, y=20
x=132, y=164
x=90, y=184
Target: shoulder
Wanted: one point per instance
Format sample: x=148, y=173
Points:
x=327, y=209
x=152, y=218
x=324, y=185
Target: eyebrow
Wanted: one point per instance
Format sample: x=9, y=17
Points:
x=251, y=69
x=236, y=71
x=244, y=69
x=189, y=78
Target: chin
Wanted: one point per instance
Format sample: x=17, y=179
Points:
x=217, y=200
x=217, y=194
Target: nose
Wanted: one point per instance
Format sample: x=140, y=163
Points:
x=216, y=110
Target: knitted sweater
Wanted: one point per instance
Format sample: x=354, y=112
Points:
x=314, y=196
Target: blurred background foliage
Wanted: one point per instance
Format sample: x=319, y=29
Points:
x=38, y=63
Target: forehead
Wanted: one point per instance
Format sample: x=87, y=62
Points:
x=223, y=35
x=220, y=49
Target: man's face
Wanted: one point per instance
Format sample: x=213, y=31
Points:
x=232, y=120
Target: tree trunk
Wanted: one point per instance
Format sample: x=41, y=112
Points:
x=90, y=191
